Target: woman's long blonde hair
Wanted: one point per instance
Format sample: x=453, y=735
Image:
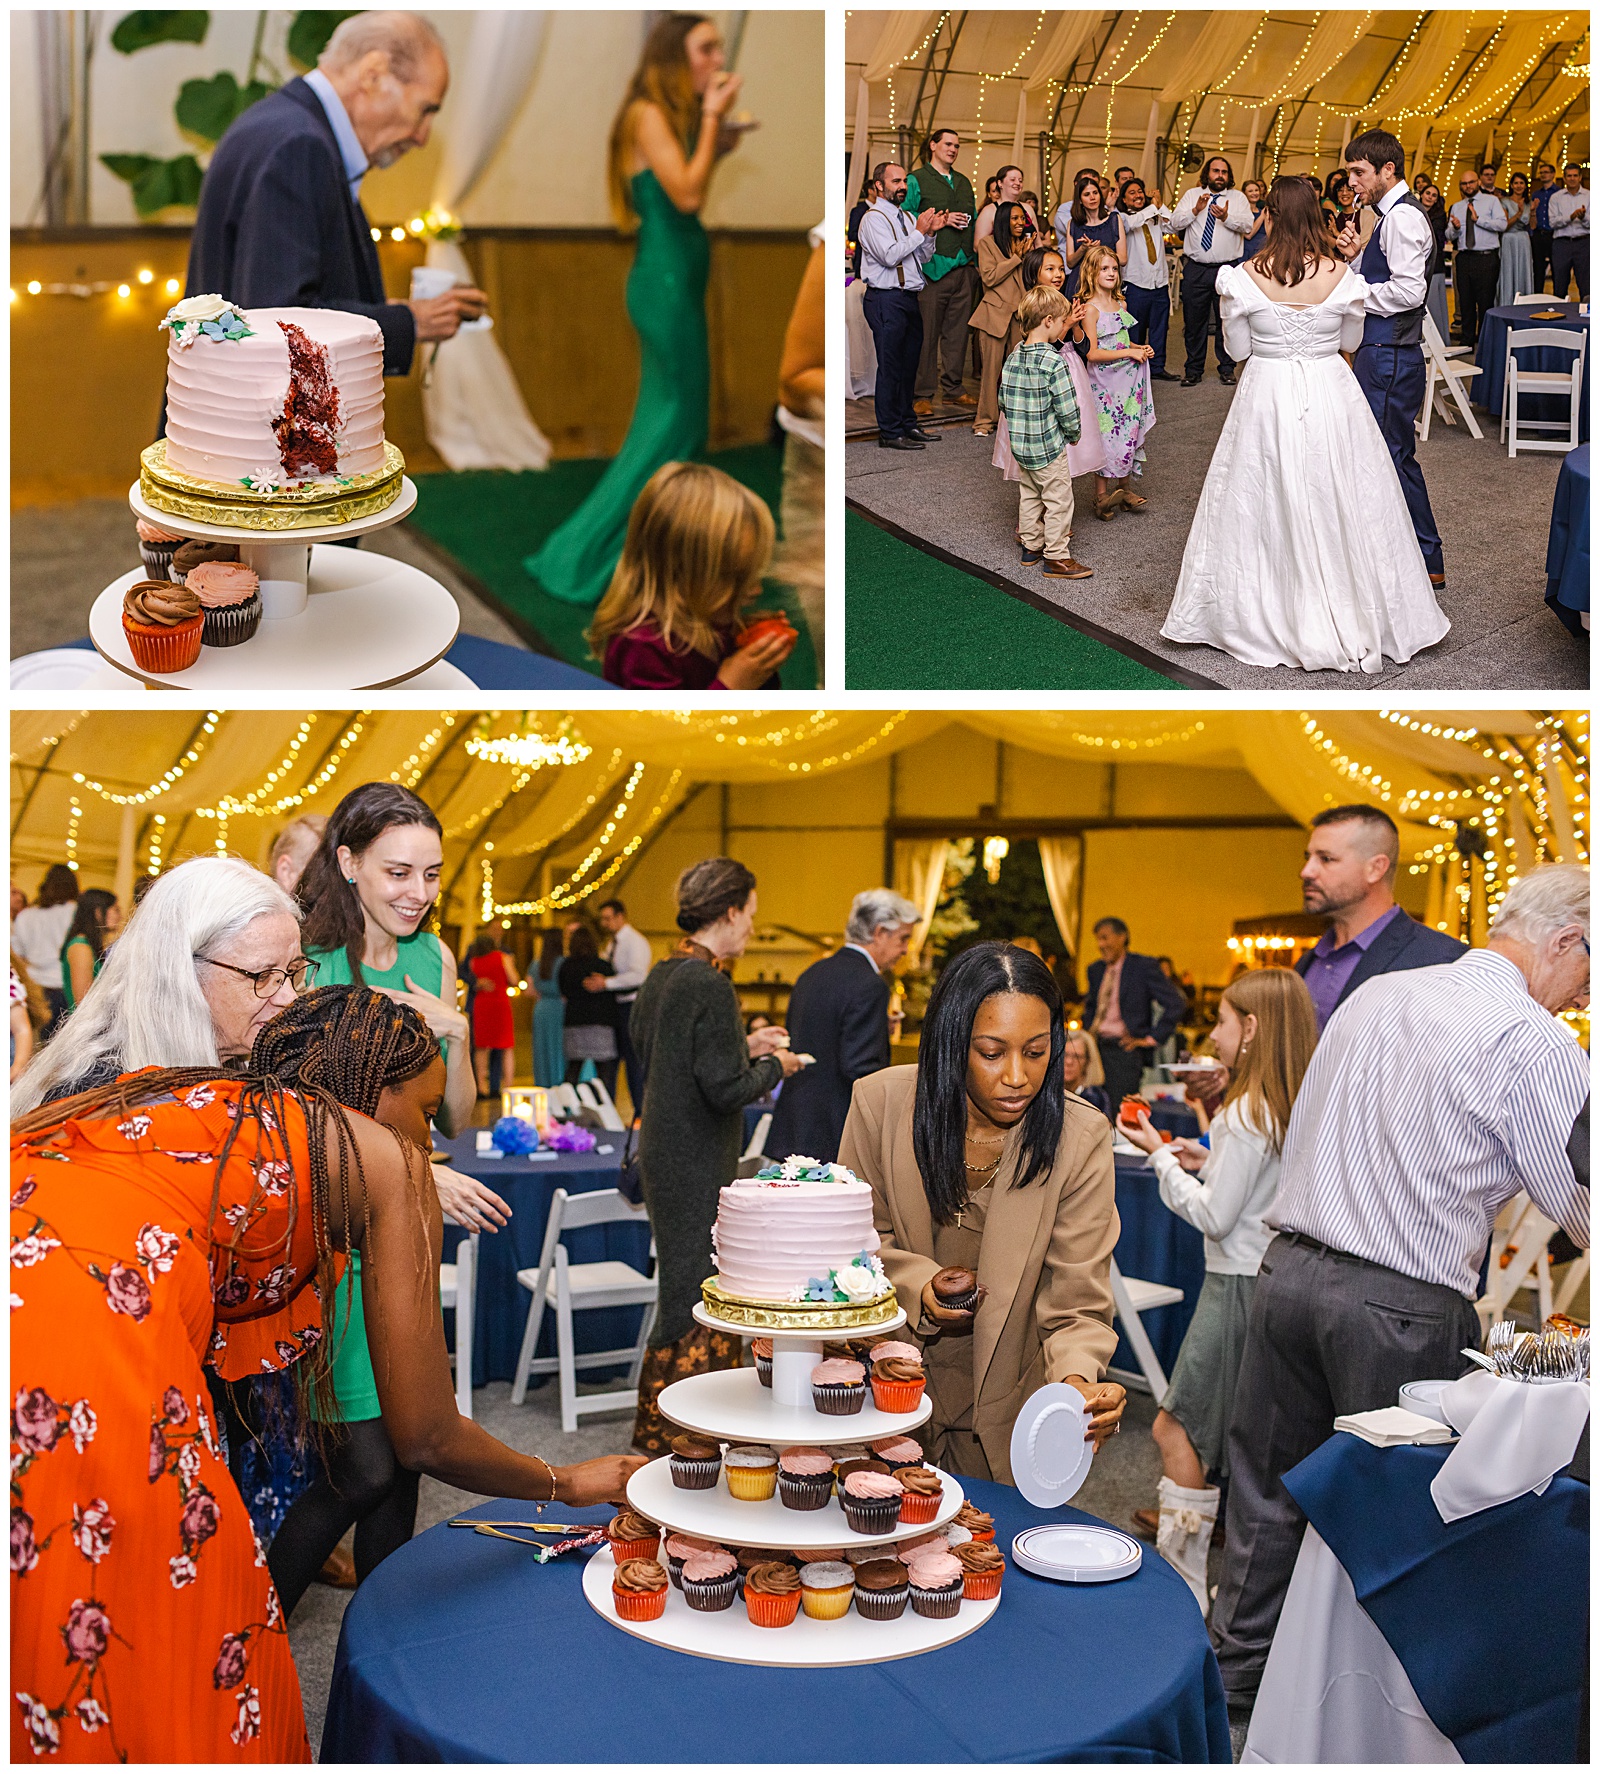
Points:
x=697, y=545
x=1268, y=1072
x=662, y=79
x=1089, y=272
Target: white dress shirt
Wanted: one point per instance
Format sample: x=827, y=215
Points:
x=1432, y=1098
x=37, y=933
x=1488, y=223
x=1406, y=241
x=1562, y=223
x=1227, y=237
x=867, y=952
x=1145, y=230
x=344, y=133
x=893, y=252
x=1228, y=1200
x=630, y=955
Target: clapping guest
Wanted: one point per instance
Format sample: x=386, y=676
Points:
x=1569, y=222
x=1144, y=274
x=1266, y=1032
x=1081, y=1071
x=1215, y=221
x=1255, y=194
x=1338, y=201
x=1542, y=235
x=1516, y=244
x=1432, y=201
x=673, y=617
x=1119, y=373
x=1089, y=224
x=895, y=247
x=1476, y=223
x=1000, y=254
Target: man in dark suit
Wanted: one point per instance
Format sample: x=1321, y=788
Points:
x=839, y=1013
x=1351, y=859
x=1123, y=989
x=280, y=224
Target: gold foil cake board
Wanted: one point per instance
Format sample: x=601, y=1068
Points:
x=317, y=505
x=779, y=1315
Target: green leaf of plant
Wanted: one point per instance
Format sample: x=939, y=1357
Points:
x=167, y=184
x=128, y=166
x=309, y=34
x=205, y=108
x=138, y=30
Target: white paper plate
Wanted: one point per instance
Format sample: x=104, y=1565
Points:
x=1076, y=1553
x=1422, y=1396
x=1050, y=1449
x=65, y=671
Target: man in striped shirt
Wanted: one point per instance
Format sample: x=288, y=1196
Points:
x=1433, y=1097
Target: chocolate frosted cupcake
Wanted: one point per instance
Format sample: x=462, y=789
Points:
x=155, y=548
x=924, y=1491
x=839, y=1388
x=936, y=1584
x=956, y=1289
x=898, y=1384
x=709, y=1580
x=639, y=1590
x=761, y=1349
x=695, y=1463
x=983, y=1564
x=633, y=1536
x=677, y=1547
x=975, y=1521
x=772, y=1594
x=882, y=1585
x=889, y=1351
x=162, y=622
x=805, y=1478
x=748, y=1557
x=194, y=554
x=230, y=598
x=871, y=1501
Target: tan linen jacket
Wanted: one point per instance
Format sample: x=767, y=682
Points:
x=1002, y=289
x=1045, y=1256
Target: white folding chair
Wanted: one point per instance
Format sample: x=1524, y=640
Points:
x=1528, y=300
x=1131, y=1298
x=605, y=1107
x=565, y=1098
x=584, y=1287
x=1446, y=377
x=1554, y=383
x=755, y=1153
x=457, y=1281
x=1519, y=1257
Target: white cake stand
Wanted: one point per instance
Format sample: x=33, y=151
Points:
x=729, y=1637
x=368, y=623
x=795, y=1353
x=733, y=1405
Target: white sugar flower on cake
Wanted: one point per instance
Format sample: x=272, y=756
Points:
x=799, y=1169
x=205, y=317
x=861, y=1280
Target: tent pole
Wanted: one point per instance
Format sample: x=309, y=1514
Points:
x=1255, y=142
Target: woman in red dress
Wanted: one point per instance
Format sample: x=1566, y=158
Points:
x=496, y=977
x=175, y=1219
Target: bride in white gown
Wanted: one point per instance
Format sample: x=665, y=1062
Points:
x=1302, y=551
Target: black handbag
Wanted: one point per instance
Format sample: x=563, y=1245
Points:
x=630, y=1183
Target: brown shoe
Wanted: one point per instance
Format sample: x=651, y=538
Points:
x=964, y=400
x=1436, y=580
x=339, y=1569
x=922, y=408
x=1146, y=1523
x=1067, y=569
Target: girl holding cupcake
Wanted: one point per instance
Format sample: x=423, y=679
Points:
x=1265, y=1034
x=993, y=1190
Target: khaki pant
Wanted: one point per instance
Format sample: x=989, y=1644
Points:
x=1046, y=517
x=994, y=359
x=946, y=308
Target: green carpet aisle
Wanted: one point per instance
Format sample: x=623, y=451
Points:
x=913, y=622
x=488, y=521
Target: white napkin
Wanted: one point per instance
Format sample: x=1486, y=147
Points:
x=1393, y=1427
x=1514, y=1439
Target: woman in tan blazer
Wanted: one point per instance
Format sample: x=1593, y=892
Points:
x=1000, y=268
x=979, y=1160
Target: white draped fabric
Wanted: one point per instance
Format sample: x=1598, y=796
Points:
x=475, y=413
x=861, y=350
x=1019, y=140
x=1062, y=861
x=1073, y=30
x=919, y=877
x=1425, y=73
x=1494, y=82
x=900, y=34
x=1212, y=55
x=1332, y=38
x=860, y=147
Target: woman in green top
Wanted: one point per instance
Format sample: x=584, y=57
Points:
x=667, y=137
x=97, y=919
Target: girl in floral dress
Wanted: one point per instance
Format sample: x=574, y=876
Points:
x=1119, y=373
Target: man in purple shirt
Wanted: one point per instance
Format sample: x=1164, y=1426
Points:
x=1351, y=859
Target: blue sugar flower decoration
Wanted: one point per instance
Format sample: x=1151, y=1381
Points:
x=515, y=1136
x=820, y=1290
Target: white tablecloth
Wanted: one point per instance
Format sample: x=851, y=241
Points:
x=1333, y=1689
x=861, y=354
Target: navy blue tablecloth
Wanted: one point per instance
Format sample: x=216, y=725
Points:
x=1155, y=1245
x=529, y=1186
x=460, y=1648
x=494, y=666
x=1489, y=1615
x=1566, y=561
x=1488, y=390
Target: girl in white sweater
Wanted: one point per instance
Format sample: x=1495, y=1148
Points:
x=1266, y=1030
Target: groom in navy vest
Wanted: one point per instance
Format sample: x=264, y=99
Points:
x=1389, y=364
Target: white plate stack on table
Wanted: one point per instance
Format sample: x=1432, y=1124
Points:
x=796, y=1270
x=274, y=453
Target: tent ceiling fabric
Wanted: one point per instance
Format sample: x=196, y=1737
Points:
x=545, y=823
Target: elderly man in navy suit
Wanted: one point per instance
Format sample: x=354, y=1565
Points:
x=1351, y=859
x=839, y=1013
x=1123, y=991
x=280, y=223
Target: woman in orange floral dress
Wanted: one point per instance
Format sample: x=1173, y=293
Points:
x=169, y=1220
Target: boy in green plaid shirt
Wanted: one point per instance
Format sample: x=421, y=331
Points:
x=1042, y=418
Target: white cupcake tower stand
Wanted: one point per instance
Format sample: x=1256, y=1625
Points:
x=332, y=619
x=733, y=1406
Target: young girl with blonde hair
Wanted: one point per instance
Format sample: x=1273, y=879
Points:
x=1119, y=373
x=1266, y=1030
x=697, y=546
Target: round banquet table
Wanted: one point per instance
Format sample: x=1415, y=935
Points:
x=1566, y=561
x=460, y=1648
x=1489, y=388
x=1155, y=1245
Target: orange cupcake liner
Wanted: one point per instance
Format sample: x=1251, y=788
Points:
x=987, y=1534
x=164, y=649
x=630, y=1606
x=625, y=1549
x=919, y=1509
x=771, y=1610
x=898, y=1395
x=981, y=1586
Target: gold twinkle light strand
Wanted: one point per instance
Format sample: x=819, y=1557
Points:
x=255, y=805
x=163, y=783
x=571, y=892
x=532, y=750
x=414, y=766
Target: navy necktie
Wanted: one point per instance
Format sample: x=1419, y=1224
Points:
x=1210, y=227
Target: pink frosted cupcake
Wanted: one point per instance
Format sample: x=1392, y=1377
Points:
x=871, y=1501
x=156, y=548
x=891, y=1351
x=230, y=596
x=709, y=1579
x=937, y=1581
x=839, y=1388
x=898, y=1451
x=805, y=1478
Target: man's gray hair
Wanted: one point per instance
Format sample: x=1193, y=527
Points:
x=405, y=37
x=1539, y=904
x=146, y=1007
x=877, y=909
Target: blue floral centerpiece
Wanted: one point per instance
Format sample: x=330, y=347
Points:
x=514, y=1136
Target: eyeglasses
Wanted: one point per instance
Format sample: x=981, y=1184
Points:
x=269, y=981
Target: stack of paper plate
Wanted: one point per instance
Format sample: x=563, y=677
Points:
x=1077, y=1553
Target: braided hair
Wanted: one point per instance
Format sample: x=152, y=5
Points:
x=349, y=1040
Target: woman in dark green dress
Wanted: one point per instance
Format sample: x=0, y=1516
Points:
x=700, y=1071
x=667, y=138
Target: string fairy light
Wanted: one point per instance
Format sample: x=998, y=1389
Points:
x=158, y=833
x=74, y=820
x=255, y=805
x=121, y=287
x=894, y=66
x=163, y=783
x=532, y=751
x=1396, y=69
x=607, y=779
x=984, y=79
x=415, y=765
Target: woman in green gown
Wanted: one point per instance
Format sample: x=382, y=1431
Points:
x=666, y=140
